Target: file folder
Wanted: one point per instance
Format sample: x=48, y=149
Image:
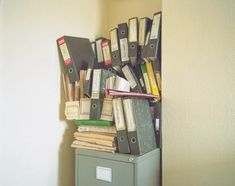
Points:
x=76, y=53
x=152, y=80
x=115, y=49
x=133, y=39
x=154, y=39
x=139, y=76
x=131, y=77
x=119, y=118
x=140, y=128
x=123, y=42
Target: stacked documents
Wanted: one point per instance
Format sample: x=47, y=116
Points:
x=101, y=138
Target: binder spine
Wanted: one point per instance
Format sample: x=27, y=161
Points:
x=123, y=41
x=133, y=39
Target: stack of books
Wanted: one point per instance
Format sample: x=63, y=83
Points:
x=115, y=83
x=100, y=138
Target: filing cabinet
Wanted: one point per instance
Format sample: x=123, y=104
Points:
x=95, y=168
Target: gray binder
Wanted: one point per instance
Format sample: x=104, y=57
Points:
x=122, y=138
x=77, y=54
x=123, y=42
x=133, y=39
x=97, y=94
x=153, y=46
x=140, y=128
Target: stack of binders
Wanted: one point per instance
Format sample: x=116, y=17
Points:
x=112, y=87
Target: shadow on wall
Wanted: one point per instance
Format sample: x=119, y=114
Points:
x=66, y=164
x=66, y=171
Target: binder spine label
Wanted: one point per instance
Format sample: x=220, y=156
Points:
x=129, y=112
x=100, y=58
x=129, y=77
x=64, y=51
x=142, y=29
x=124, y=49
x=114, y=40
x=155, y=26
x=147, y=85
x=96, y=84
x=106, y=53
x=118, y=114
x=133, y=30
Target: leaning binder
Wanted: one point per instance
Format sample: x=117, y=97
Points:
x=133, y=39
x=154, y=38
x=131, y=77
x=145, y=24
x=123, y=41
x=140, y=128
x=76, y=54
x=119, y=118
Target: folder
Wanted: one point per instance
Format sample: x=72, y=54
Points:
x=106, y=53
x=144, y=27
x=119, y=118
x=72, y=110
x=157, y=72
x=99, y=53
x=107, y=109
x=115, y=49
x=85, y=108
x=139, y=76
x=131, y=77
x=146, y=78
x=133, y=39
x=152, y=80
x=123, y=42
x=97, y=94
x=76, y=53
x=140, y=128
x=154, y=39
x=93, y=122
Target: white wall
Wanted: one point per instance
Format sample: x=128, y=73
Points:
x=1, y=90
x=36, y=143
x=198, y=93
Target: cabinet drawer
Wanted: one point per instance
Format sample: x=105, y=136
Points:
x=91, y=171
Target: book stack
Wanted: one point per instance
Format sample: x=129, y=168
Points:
x=100, y=138
x=115, y=83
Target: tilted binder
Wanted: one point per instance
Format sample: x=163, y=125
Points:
x=131, y=77
x=140, y=128
x=133, y=39
x=115, y=49
x=76, y=53
x=123, y=42
x=145, y=24
x=119, y=118
x=154, y=38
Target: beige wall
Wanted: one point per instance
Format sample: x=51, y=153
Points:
x=198, y=93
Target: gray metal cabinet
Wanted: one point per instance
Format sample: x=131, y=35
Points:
x=94, y=168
